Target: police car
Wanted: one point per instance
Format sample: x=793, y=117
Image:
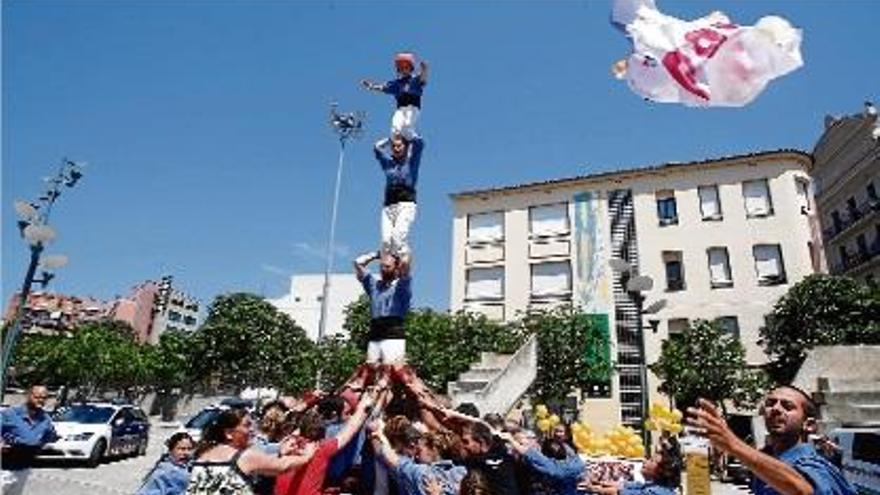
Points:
x=95, y=430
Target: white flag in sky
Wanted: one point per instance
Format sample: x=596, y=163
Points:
x=709, y=61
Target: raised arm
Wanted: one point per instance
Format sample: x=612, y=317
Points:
x=254, y=461
x=361, y=262
x=356, y=421
x=372, y=86
x=423, y=72
x=382, y=446
x=779, y=475
x=404, y=266
x=382, y=156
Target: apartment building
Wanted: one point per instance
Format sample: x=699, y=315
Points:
x=846, y=178
x=722, y=239
x=303, y=302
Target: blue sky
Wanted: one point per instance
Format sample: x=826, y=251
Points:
x=204, y=122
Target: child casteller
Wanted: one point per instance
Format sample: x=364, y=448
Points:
x=407, y=91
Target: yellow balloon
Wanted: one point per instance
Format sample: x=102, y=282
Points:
x=676, y=415
x=576, y=427
x=675, y=428
x=541, y=411
x=554, y=420
x=544, y=425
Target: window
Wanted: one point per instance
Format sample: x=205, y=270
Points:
x=756, y=194
x=667, y=212
x=844, y=255
x=803, y=193
x=678, y=326
x=174, y=316
x=486, y=227
x=862, y=243
x=872, y=191
x=719, y=268
x=485, y=283
x=853, y=209
x=768, y=264
x=548, y=220
x=730, y=325
x=551, y=279
x=838, y=223
x=674, y=270
x=710, y=204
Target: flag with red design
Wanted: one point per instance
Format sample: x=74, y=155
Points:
x=709, y=61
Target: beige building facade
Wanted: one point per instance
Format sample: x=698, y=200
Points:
x=721, y=239
x=846, y=180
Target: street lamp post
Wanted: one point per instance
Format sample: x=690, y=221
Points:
x=33, y=224
x=346, y=126
x=635, y=285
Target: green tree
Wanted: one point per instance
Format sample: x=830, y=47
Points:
x=169, y=362
x=705, y=361
x=339, y=357
x=573, y=350
x=819, y=310
x=245, y=341
x=439, y=346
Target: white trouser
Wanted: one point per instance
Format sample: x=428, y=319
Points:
x=396, y=221
x=13, y=482
x=404, y=120
x=388, y=351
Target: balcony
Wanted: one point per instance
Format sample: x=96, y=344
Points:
x=851, y=218
x=855, y=260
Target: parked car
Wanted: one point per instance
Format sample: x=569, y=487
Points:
x=197, y=423
x=860, y=449
x=96, y=430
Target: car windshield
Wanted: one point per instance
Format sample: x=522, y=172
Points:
x=86, y=414
x=200, y=420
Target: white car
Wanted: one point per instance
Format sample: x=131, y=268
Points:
x=93, y=431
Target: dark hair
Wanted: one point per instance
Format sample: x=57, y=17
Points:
x=214, y=432
x=495, y=420
x=468, y=408
x=331, y=407
x=474, y=483
x=311, y=426
x=669, y=469
x=271, y=405
x=479, y=432
x=176, y=439
x=554, y=449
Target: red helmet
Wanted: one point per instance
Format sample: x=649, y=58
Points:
x=405, y=58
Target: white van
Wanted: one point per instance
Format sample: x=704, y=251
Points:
x=860, y=446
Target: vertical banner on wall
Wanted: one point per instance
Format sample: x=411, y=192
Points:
x=593, y=291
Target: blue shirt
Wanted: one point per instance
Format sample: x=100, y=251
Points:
x=406, y=90
x=647, y=488
x=19, y=429
x=562, y=475
x=401, y=177
x=388, y=298
x=824, y=476
x=167, y=478
x=411, y=476
x=346, y=457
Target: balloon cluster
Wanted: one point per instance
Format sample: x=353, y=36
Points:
x=620, y=441
x=664, y=419
x=546, y=421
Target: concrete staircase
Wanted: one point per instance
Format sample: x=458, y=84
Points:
x=845, y=382
x=497, y=381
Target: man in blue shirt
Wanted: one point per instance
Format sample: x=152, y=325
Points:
x=24, y=430
x=390, y=295
x=401, y=169
x=788, y=464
